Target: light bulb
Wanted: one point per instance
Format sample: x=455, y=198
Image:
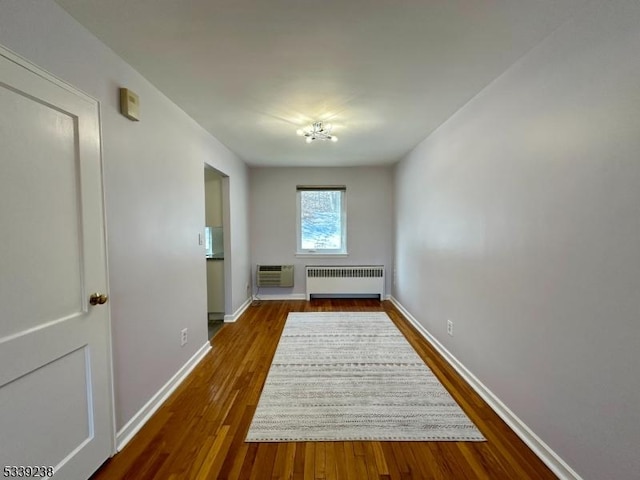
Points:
x=299, y=132
x=334, y=139
x=309, y=140
x=327, y=127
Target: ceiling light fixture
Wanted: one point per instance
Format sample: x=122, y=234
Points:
x=317, y=131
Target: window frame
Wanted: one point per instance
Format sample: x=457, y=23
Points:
x=343, y=221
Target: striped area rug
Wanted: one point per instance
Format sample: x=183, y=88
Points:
x=341, y=376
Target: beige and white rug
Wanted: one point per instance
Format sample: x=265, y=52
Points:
x=342, y=376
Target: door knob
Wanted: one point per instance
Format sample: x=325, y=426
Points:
x=98, y=299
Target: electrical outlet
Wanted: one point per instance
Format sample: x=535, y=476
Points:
x=450, y=328
x=184, y=337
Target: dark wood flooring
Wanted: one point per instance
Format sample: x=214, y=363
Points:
x=199, y=432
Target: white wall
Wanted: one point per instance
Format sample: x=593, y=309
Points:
x=273, y=218
x=153, y=174
x=519, y=219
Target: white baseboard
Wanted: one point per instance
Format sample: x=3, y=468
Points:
x=132, y=427
x=286, y=296
x=540, y=448
x=235, y=315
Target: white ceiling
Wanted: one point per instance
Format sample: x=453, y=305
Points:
x=384, y=73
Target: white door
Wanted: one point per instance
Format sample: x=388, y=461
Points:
x=55, y=387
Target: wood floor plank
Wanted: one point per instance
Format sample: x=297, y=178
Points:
x=330, y=461
x=289, y=460
x=378, y=457
x=298, y=462
x=476, y=462
x=213, y=462
x=309, y=459
x=264, y=462
x=249, y=461
x=319, y=462
x=341, y=462
x=390, y=459
x=423, y=462
x=350, y=461
x=199, y=432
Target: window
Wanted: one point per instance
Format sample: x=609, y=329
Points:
x=322, y=221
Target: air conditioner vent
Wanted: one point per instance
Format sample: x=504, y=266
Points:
x=274, y=276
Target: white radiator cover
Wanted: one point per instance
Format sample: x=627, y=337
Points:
x=345, y=280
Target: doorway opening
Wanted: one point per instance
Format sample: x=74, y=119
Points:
x=214, y=243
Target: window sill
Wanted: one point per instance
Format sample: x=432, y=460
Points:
x=323, y=255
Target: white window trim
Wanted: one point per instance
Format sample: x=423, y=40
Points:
x=325, y=252
x=323, y=255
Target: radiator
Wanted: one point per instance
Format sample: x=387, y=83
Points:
x=345, y=280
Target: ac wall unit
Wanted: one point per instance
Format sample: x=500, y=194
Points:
x=274, y=276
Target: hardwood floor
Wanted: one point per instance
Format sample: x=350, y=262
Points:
x=199, y=432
